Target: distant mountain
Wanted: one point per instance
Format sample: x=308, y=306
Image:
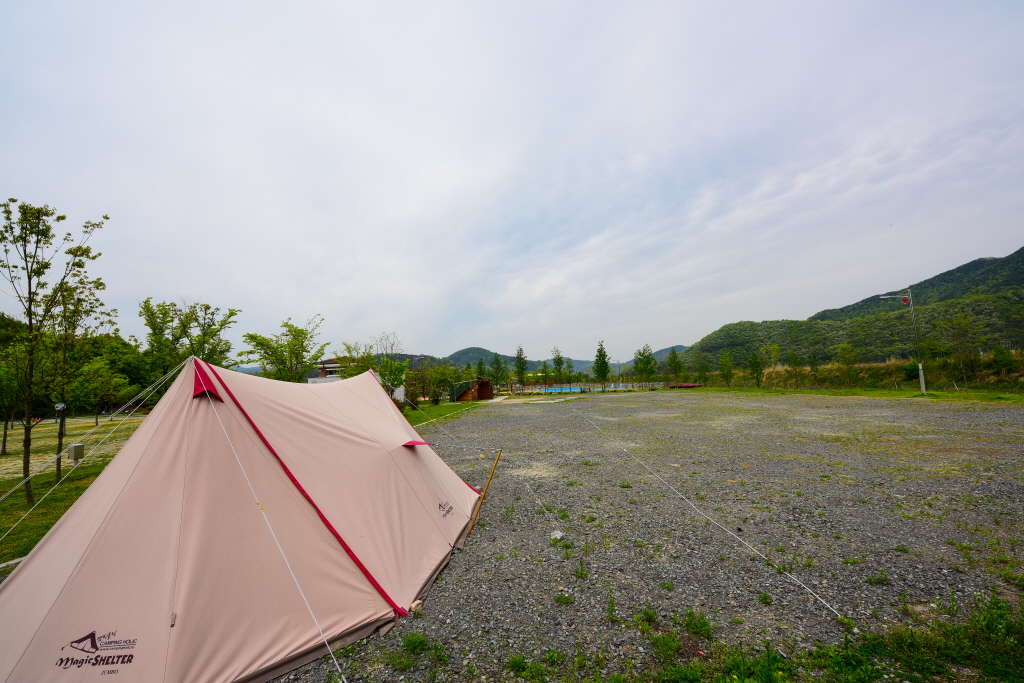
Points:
x=991, y=290
x=979, y=277
x=662, y=354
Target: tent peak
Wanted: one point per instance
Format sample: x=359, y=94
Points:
x=203, y=384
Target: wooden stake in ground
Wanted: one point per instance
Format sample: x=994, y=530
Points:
x=483, y=495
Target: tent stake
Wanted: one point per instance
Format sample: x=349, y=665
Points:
x=483, y=495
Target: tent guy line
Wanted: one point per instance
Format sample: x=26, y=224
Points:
x=266, y=519
x=702, y=514
x=558, y=532
x=153, y=386
x=295, y=482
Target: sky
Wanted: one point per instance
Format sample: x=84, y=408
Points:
x=528, y=173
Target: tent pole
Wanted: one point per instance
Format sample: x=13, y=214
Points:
x=483, y=495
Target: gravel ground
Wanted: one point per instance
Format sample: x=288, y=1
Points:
x=838, y=488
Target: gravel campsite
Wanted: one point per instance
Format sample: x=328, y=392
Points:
x=886, y=510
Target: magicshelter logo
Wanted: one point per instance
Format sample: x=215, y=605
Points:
x=99, y=650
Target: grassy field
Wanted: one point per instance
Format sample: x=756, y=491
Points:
x=427, y=412
x=54, y=501
x=1008, y=397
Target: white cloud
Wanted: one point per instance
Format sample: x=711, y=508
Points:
x=540, y=174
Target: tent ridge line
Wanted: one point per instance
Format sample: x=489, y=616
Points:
x=295, y=482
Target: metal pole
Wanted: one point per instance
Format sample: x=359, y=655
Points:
x=917, y=338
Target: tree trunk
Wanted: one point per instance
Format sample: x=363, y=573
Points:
x=26, y=456
x=3, y=448
x=60, y=442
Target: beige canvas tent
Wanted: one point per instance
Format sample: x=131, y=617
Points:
x=245, y=522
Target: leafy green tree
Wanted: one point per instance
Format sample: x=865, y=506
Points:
x=440, y=380
x=98, y=385
x=78, y=315
x=520, y=366
x=10, y=395
x=31, y=250
x=570, y=370
x=756, y=368
x=545, y=373
x=288, y=356
x=965, y=334
x=812, y=368
x=467, y=372
x=846, y=357
x=176, y=332
x=499, y=370
x=392, y=374
x=356, y=359
x=644, y=363
x=673, y=364
x=794, y=368
x=725, y=367
x=602, y=367
x=558, y=362
x=703, y=371
x=481, y=369
x=771, y=354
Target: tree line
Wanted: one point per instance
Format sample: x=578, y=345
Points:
x=61, y=351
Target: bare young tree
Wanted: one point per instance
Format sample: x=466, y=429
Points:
x=387, y=345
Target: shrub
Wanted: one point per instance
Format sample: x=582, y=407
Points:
x=673, y=673
x=697, y=624
x=764, y=599
x=415, y=643
x=879, y=579
x=564, y=599
x=666, y=647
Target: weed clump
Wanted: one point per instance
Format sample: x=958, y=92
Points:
x=697, y=624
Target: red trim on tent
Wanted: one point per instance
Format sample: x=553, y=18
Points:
x=470, y=486
x=202, y=382
x=417, y=443
x=366, y=572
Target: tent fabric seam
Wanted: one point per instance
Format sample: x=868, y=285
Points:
x=78, y=563
x=433, y=472
x=181, y=515
x=297, y=485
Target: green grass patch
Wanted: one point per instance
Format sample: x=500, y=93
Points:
x=53, y=501
x=427, y=412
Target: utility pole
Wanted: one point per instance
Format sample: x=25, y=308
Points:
x=908, y=298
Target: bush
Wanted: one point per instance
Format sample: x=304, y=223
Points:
x=673, y=673
x=697, y=624
x=666, y=647
x=910, y=371
x=415, y=643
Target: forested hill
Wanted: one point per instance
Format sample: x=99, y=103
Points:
x=474, y=353
x=978, y=305
x=982, y=321
x=979, y=277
